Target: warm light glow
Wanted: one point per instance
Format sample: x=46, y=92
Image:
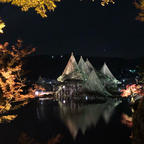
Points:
x=7, y=118
x=106, y=2
x=2, y=25
x=126, y=120
x=132, y=89
x=39, y=93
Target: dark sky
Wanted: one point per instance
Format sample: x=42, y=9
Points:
x=85, y=27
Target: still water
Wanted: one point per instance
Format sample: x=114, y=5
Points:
x=77, y=123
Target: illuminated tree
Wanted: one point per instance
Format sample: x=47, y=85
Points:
x=11, y=81
x=140, y=5
x=40, y=6
x=106, y=2
x=2, y=25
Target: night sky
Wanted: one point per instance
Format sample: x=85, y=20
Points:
x=86, y=28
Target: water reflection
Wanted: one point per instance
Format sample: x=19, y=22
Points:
x=47, y=109
x=76, y=116
x=41, y=121
x=24, y=138
x=81, y=117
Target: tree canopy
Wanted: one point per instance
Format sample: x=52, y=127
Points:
x=40, y=6
x=2, y=25
x=140, y=5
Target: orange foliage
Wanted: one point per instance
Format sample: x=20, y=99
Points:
x=106, y=2
x=31, y=93
x=140, y=5
x=132, y=89
x=25, y=139
x=40, y=6
x=11, y=83
x=7, y=118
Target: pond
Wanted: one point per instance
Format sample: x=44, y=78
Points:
x=73, y=122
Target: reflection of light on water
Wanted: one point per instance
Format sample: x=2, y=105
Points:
x=24, y=138
x=40, y=110
x=47, y=110
x=77, y=116
x=109, y=111
x=80, y=117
